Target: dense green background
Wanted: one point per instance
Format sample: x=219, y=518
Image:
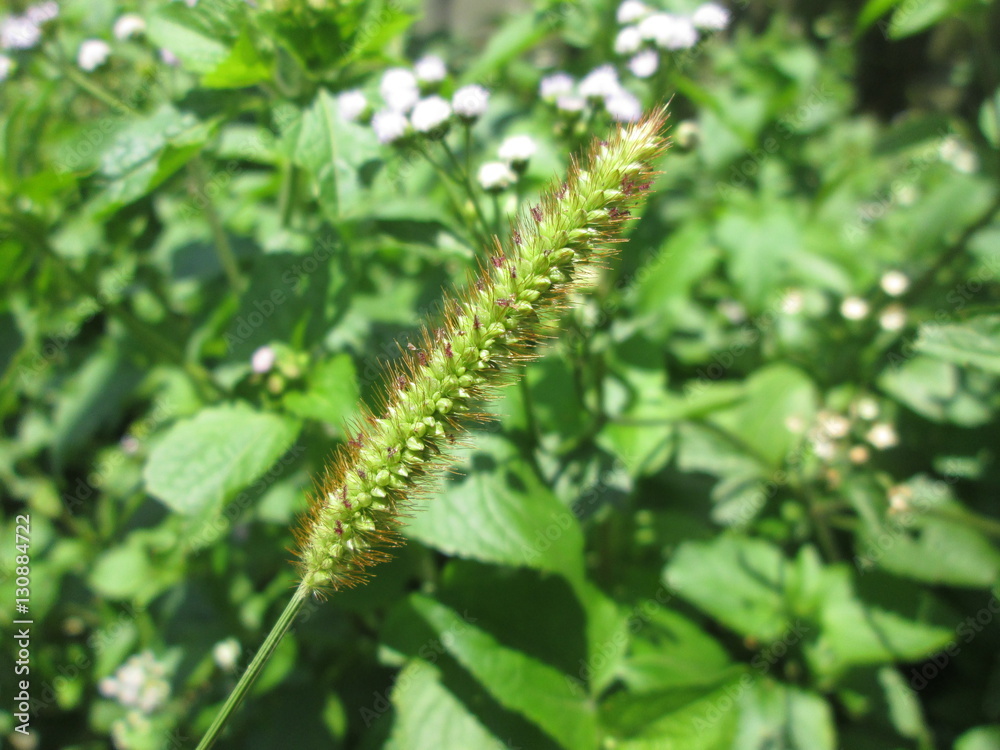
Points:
x=678, y=535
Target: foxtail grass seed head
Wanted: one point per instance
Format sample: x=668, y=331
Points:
x=431, y=396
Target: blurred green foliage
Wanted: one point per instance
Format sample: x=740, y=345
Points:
x=746, y=498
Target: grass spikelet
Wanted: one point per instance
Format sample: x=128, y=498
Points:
x=430, y=396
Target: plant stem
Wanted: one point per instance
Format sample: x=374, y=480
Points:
x=94, y=89
x=478, y=238
x=467, y=184
x=227, y=258
x=264, y=653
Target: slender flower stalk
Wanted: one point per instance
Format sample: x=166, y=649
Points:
x=432, y=394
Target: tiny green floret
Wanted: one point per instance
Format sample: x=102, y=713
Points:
x=431, y=396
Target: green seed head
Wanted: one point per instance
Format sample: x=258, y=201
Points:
x=463, y=360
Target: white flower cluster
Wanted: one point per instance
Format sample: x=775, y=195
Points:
x=128, y=26
x=646, y=30
x=25, y=31
x=893, y=317
x=515, y=152
x=139, y=683
x=93, y=53
x=411, y=104
x=833, y=433
x=600, y=87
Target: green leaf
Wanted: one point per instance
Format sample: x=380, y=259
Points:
x=121, y=572
x=934, y=550
x=980, y=738
x=972, y=343
x=197, y=39
x=913, y=17
x=772, y=395
x=500, y=512
x=243, y=66
x=332, y=394
x=872, y=11
x=519, y=33
x=936, y=389
x=145, y=153
x=772, y=709
x=333, y=150
x=759, y=249
x=690, y=718
x=203, y=461
x=904, y=705
x=738, y=581
x=93, y=398
x=883, y=624
x=430, y=717
x=517, y=681
x=670, y=651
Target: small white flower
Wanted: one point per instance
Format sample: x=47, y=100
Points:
x=430, y=114
x=882, y=436
x=389, y=125
x=352, y=104
x=517, y=149
x=711, y=17
x=128, y=25
x=93, y=53
x=138, y=683
x=43, y=12
x=169, y=57
x=552, y=87
x=225, y=653
x=791, y=302
x=644, y=64
x=687, y=134
x=129, y=445
x=399, y=89
x=623, y=106
x=19, y=32
x=834, y=425
x=899, y=497
x=892, y=318
x=858, y=454
x=733, y=311
x=6, y=66
x=631, y=10
x=600, y=83
x=469, y=102
x=906, y=195
x=495, y=176
x=628, y=41
x=894, y=283
x=795, y=424
x=668, y=31
x=430, y=69
x=866, y=408
x=823, y=448
x=960, y=156
x=263, y=359
x=854, y=308
x=571, y=103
